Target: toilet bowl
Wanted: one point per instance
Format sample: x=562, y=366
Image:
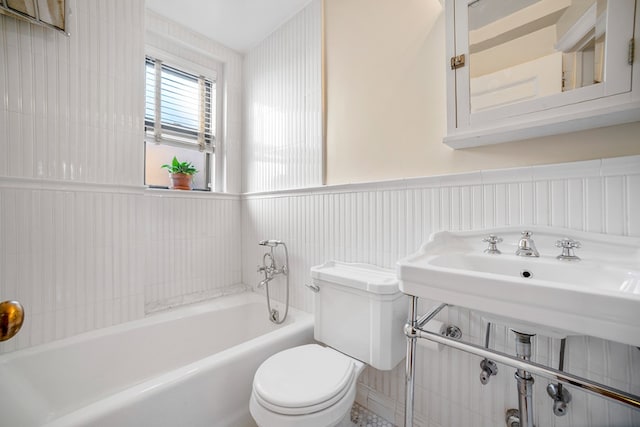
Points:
x=359, y=313
x=310, y=385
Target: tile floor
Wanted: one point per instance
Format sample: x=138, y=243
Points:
x=362, y=417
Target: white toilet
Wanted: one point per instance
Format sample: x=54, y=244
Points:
x=359, y=315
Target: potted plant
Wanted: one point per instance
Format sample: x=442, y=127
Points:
x=181, y=174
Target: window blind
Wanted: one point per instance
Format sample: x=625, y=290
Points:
x=179, y=107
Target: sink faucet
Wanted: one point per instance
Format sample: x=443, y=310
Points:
x=526, y=246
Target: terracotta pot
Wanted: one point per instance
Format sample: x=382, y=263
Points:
x=181, y=181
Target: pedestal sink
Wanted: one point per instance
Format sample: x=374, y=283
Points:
x=598, y=295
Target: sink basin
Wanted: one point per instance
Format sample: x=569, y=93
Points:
x=597, y=296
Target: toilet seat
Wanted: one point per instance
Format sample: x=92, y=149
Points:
x=303, y=380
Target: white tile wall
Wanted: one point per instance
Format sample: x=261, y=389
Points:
x=192, y=248
x=72, y=106
x=379, y=223
x=82, y=244
x=283, y=106
x=83, y=258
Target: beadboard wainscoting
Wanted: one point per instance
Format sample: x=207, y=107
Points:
x=379, y=223
x=81, y=257
x=283, y=106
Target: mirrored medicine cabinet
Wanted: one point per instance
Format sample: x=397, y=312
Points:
x=527, y=68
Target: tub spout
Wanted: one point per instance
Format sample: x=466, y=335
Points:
x=267, y=275
x=264, y=282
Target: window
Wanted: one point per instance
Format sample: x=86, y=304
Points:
x=180, y=120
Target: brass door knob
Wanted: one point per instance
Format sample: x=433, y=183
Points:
x=11, y=319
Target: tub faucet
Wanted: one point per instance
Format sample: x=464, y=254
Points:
x=526, y=246
x=268, y=268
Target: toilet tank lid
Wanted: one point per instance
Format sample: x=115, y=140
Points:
x=366, y=277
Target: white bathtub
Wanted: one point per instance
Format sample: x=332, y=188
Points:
x=191, y=366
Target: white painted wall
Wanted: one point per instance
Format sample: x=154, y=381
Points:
x=386, y=101
x=283, y=106
x=379, y=223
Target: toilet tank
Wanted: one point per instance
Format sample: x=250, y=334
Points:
x=360, y=311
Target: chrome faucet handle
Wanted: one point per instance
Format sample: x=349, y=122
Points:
x=568, y=245
x=493, y=241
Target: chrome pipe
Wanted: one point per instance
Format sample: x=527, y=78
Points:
x=430, y=315
x=535, y=368
x=561, y=397
x=524, y=380
x=410, y=372
x=413, y=324
x=525, y=398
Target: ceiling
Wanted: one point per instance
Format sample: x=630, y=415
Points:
x=238, y=24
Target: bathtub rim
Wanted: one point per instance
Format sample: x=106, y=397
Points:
x=302, y=321
x=172, y=313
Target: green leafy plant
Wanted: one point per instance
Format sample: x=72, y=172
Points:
x=180, y=167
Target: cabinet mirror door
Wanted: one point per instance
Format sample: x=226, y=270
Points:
x=528, y=56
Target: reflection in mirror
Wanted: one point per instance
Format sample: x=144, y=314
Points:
x=525, y=49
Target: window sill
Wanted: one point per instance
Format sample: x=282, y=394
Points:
x=188, y=194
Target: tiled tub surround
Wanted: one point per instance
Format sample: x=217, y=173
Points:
x=83, y=245
x=380, y=222
x=81, y=257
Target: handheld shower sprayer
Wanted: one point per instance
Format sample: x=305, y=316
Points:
x=270, y=269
